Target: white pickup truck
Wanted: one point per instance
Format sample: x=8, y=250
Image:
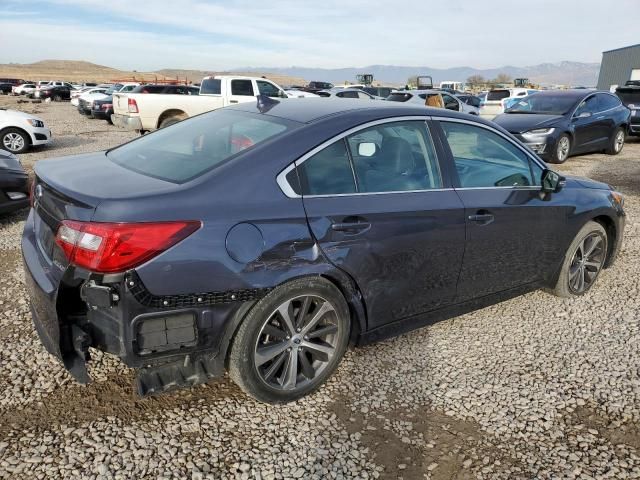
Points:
x=144, y=112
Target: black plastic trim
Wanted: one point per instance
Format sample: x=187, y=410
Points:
x=144, y=297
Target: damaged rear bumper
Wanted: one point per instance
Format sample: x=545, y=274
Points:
x=173, y=341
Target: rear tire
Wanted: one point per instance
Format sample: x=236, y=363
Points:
x=170, y=121
x=616, y=143
x=583, y=261
x=280, y=357
x=561, y=150
x=57, y=98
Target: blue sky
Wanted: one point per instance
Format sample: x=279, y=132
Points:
x=216, y=35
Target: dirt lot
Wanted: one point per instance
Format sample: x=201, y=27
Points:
x=536, y=387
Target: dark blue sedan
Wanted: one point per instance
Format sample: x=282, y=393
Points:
x=556, y=124
x=265, y=238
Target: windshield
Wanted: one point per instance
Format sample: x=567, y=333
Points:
x=554, y=104
x=190, y=148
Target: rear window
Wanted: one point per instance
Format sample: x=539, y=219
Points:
x=399, y=97
x=629, y=95
x=188, y=149
x=210, y=86
x=148, y=89
x=497, y=95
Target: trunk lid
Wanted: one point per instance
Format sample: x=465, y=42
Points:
x=73, y=187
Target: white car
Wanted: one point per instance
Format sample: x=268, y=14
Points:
x=295, y=93
x=496, y=100
x=433, y=99
x=75, y=96
x=340, y=92
x=24, y=89
x=19, y=131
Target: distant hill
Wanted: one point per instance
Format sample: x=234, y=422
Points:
x=563, y=73
x=70, y=71
x=196, y=75
x=80, y=71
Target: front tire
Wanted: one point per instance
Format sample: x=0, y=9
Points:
x=583, y=261
x=14, y=140
x=291, y=341
x=561, y=150
x=616, y=143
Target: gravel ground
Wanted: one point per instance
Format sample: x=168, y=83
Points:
x=536, y=387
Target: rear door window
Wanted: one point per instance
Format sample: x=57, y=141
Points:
x=241, y=87
x=210, y=86
x=394, y=157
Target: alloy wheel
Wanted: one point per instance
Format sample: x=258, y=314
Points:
x=13, y=142
x=586, y=263
x=563, y=148
x=618, y=143
x=297, y=342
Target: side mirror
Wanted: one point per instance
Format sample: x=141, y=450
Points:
x=283, y=94
x=584, y=115
x=552, y=182
x=366, y=149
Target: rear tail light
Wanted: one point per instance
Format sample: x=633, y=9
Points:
x=133, y=106
x=117, y=247
x=107, y=106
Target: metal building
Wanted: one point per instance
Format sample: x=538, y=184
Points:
x=618, y=66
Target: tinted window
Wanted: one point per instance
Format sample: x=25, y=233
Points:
x=241, y=87
x=498, y=95
x=629, y=95
x=267, y=88
x=591, y=105
x=607, y=101
x=210, y=86
x=394, y=157
x=399, y=97
x=328, y=172
x=347, y=94
x=485, y=159
x=190, y=148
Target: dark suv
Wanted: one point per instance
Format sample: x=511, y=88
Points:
x=315, y=87
x=630, y=96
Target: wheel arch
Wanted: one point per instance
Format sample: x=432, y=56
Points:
x=612, y=235
x=174, y=112
x=344, y=283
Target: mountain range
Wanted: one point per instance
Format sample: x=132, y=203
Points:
x=562, y=73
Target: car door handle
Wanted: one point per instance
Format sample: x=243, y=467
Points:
x=351, y=227
x=233, y=101
x=482, y=218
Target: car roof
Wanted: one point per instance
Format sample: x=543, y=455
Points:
x=577, y=94
x=308, y=110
